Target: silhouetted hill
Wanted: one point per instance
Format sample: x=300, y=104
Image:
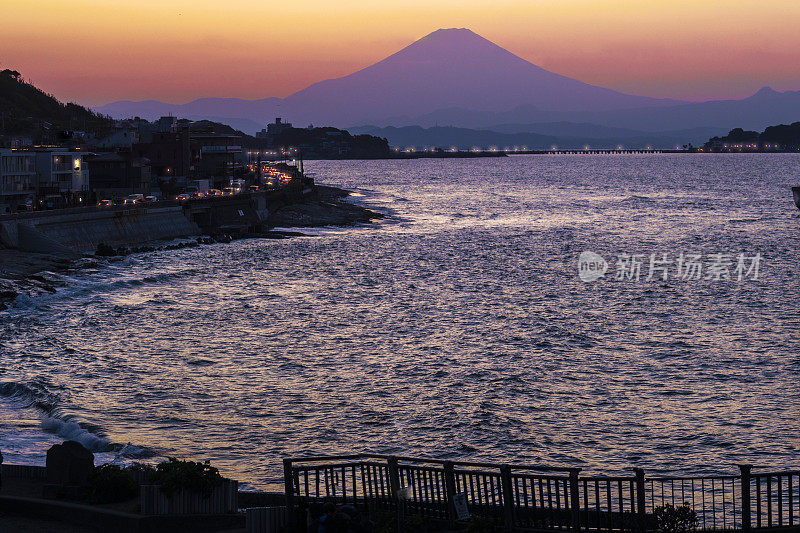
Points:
x=210, y=126
x=332, y=143
x=447, y=137
x=570, y=136
x=782, y=136
x=313, y=143
x=28, y=110
x=758, y=111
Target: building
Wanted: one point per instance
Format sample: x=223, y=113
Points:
x=167, y=124
x=169, y=154
x=191, y=152
x=122, y=138
x=60, y=171
x=215, y=156
x=273, y=129
x=17, y=178
x=119, y=174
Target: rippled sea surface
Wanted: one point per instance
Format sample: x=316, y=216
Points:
x=456, y=327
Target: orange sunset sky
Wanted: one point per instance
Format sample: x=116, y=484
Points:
x=97, y=51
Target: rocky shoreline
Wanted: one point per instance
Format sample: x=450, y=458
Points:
x=326, y=208
x=30, y=274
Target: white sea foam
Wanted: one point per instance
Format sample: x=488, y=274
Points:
x=37, y=396
x=73, y=431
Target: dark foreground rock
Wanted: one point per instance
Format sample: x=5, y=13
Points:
x=16, y=262
x=69, y=463
x=279, y=234
x=15, y=284
x=322, y=213
x=326, y=193
x=104, y=250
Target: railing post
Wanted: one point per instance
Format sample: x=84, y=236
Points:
x=450, y=492
x=508, y=497
x=394, y=488
x=745, y=482
x=394, y=478
x=641, y=512
x=288, y=481
x=575, y=499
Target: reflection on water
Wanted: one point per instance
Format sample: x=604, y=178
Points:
x=456, y=327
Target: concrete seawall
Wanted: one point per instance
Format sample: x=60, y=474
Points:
x=76, y=231
x=69, y=232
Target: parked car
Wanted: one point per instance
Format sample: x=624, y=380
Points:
x=133, y=199
x=27, y=205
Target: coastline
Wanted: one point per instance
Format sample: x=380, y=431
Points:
x=25, y=272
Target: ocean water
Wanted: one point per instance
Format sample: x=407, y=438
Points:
x=456, y=327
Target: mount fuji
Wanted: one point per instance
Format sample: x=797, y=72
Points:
x=457, y=78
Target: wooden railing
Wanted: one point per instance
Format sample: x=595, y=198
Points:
x=775, y=498
x=543, y=497
x=717, y=500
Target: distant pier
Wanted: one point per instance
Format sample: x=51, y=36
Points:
x=602, y=151
x=455, y=154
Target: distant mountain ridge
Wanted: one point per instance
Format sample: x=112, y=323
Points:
x=453, y=67
x=447, y=68
x=457, y=78
x=765, y=107
x=533, y=136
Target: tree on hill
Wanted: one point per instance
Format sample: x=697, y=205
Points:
x=27, y=110
x=332, y=142
x=209, y=126
x=783, y=136
x=740, y=135
x=787, y=135
x=735, y=136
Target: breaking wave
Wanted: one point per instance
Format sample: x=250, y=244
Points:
x=37, y=396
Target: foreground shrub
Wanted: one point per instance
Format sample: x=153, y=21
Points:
x=142, y=470
x=671, y=519
x=110, y=484
x=174, y=475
